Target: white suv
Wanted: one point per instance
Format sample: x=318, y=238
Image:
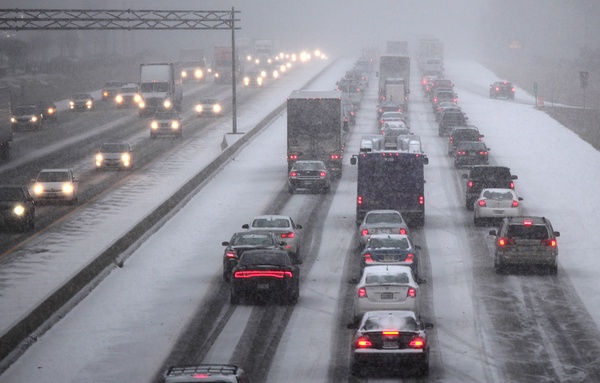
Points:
x=55, y=184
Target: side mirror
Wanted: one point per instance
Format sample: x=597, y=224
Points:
x=417, y=247
x=520, y=198
x=428, y=326
x=245, y=226
x=421, y=281
x=351, y=326
x=514, y=177
x=224, y=243
x=556, y=233
x=353, y=160
x=283, y=243
x=353, y=281
x=298, y=226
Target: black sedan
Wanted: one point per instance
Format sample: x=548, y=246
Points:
x=262, y=274
x=246, y=240
x=388, y=340
x=17, y=208
x=471, y=153
x=311, y=175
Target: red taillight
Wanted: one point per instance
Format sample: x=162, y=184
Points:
x=364, y=232
x=483, y=153
x=527, y=222
x=454, y=100
x=293, y=174
x=417, y=342
x=200, y=376
x=367, y=258
x=362, y=292
x=497, y=89
x=549, y=242
x=515, y=203
x=244, y=274
x=403, y=231
x=292, y=157
x=512, y=185
x=287, y=235
x=435, y=100
x=470, y=184
x=359, y=200
x=482, y=203
x=410, y=257
x=421, y=200
x=513, y=90
x=363, y=342
x=461, y=153
x=335, y=156
x=505, y=241
x=231, y=254
x=323, y=174
x=411, y=293
x=451, y=139
x=381, y=121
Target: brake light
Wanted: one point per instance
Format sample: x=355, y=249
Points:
x=435, y=100
x=512, y=185
x=497, y=88
x=417, y=342
x=470, y=184
x=231, y=254
x=200, y=376
x=364, y=232
x=403, y=231
x=505, y=241
x=483, y=152
x=367, y=258
x=279, y=274
x=515, y=203
x=363, y=342
x=359, y=200
x=409, y=258
x=287, y=235
x=482, y=203
x=323, y=174
x=362, y=292
x=461, y=153
x=391, y=333
x=549, y=242
x=421, y=200
x=293, y=174
x=292, y=157
x=335, y=156
x=451, y=139
x=527, y=222
x=411, y=293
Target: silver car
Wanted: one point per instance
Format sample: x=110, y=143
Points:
x=527, y=242
x=284, y=227
x=114, y=156
x=55, y=184
x=381, y=222
x=495, y=204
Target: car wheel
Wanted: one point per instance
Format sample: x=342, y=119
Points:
x=423, y=368
x=152, y=135
x=477, y=221
x=234, y=298
x=226, y=275
x=291, y=190
x=498, y=267
x=553, y=270
x=326, y=190
x=469, y=204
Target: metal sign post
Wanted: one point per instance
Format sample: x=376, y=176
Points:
x=583, y=78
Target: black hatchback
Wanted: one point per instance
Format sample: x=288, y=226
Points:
x=17, y=208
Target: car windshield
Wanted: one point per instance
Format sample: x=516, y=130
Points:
x=25, y=109
x=53, y=177
x=165, y=116
x=392, y=115
x=527, y=232
x=383, y=218
x=497, y=195
x=252, y=240
x=113, y=148
x=81, y=96
x=267, y=222
x=208, y=101
x=387, y=321
x=396, y=243
x=128, y=90
x=11, y=194
x=260, y=258
x=374, y=279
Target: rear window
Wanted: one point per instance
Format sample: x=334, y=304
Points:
x=383, y=218
x=396, y=243
x=466, y=133
x=259, y=258
x=490, y=173
x=386, y=321
x=278, y=222
x=527, y=232
x=401, y=278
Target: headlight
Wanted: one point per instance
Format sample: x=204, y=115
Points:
x=217, y=108
x=99, y=158
x=199, y=108
x=67, y=188
x=50, y=111
x=12, y=119
x=38, y=189
x=217, y=74
x=154, y=125
x=275, y=74
x=72, y=103
x=246, y=81
x=137, y=98
x=125, y=157
x=167, y=104
x=142, y=104
x=105, y=94
x=119, y=99
x=89, y=103
x=175, y=125
x=183, y=74
x=34, y=118
x=263, y=73
x=198, y=73
x=259, y=80
x=19, y=210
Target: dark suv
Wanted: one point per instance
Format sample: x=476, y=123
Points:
x=486, y=176
x=449, y=119
x=17, y=208
x=208, y=373
x=460, y=134
x=526, y=241
x=502, y=89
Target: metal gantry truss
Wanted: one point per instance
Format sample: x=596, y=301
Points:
x=124, y=19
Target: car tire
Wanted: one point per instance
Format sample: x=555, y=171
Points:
x=469, y=204
x=234, y=298
x=291, y=190
x=499, y=268
x=553, y=270
x=477, y=221
x=326, y=190
x=226, y=276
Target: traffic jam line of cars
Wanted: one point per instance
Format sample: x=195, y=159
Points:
x=521, y=241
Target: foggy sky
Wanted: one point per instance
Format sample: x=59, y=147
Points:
x=467, y=27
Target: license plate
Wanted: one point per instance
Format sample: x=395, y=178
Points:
x=472, y=154
x=262, y=286
x=498, y=211
x=389, y=258
x=390, y=344
x=387, y=295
